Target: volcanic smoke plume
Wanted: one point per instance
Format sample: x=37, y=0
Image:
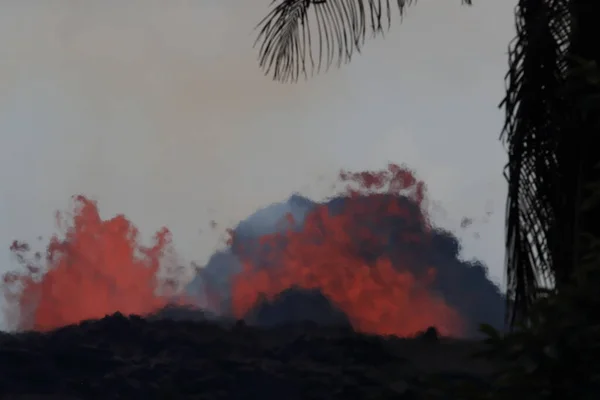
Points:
x=368, y=257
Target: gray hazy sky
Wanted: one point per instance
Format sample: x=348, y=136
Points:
x=157, y=109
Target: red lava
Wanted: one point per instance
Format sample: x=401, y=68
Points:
x=99, y=268
x=378, y=297
x=96, y=269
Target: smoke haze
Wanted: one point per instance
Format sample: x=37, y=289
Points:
x=157, y=109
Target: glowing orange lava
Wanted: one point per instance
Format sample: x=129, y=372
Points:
x=338, y=253
x=99, y=268
x=96, y=269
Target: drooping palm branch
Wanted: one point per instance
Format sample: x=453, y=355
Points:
x=539, y=228
x=300, y=37
x=552, y=144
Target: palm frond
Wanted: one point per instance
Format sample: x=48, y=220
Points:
x=337, y=28
x=540, y=206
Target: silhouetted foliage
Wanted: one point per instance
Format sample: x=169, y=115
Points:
x=555, y=352
x=300, y=37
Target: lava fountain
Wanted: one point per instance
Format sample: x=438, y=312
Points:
x=367, y=251
x=343, y=250
x=96, y=269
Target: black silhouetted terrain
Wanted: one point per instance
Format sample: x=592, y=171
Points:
x=131, y=358
x=296, y=306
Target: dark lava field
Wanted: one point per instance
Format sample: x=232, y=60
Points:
x=177, y=357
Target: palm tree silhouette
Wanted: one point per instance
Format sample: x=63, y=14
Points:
x=300, y=37
x=553, y=147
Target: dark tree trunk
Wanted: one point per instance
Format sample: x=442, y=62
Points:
x=585, y=150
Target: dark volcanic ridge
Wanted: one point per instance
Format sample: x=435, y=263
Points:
x=160, y=358
x=292, y=307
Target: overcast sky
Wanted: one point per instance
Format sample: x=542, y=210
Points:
x=158, y=110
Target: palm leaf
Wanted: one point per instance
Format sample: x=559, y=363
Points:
x=540, y=211
x=300, y=37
